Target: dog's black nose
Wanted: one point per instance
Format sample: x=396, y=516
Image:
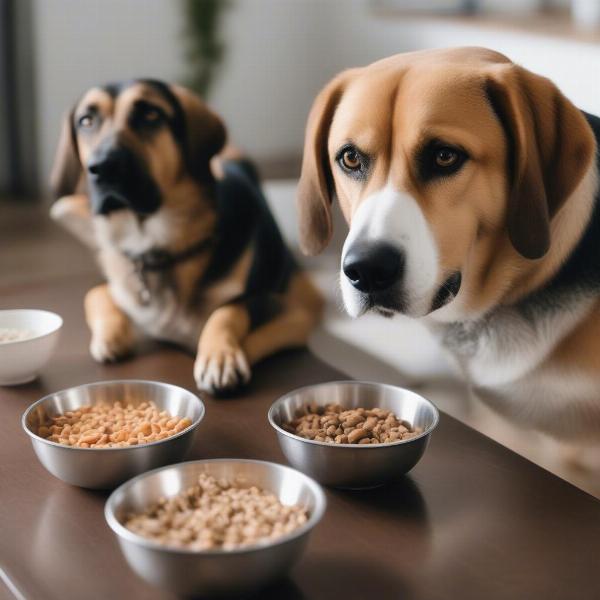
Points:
x=109, y=165
x=373, y=267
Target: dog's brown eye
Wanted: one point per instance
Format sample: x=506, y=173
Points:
x=86, y=121
x=353, y=162
x=446, y=157
x=151, y=115
x=439, y=159
x=351, y=159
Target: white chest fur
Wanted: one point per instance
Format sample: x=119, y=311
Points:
x=164, y=317
x=503, y=356
x=508, y=344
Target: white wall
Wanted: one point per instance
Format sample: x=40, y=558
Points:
x=278, y=58
x=279, y=54
x=363, y=37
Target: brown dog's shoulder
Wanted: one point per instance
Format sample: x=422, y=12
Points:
x=73, y=213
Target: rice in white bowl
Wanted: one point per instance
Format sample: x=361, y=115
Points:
x=14, y=335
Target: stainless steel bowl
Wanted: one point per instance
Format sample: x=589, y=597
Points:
x=105, y=468
x=351, y=465
x=217, y=572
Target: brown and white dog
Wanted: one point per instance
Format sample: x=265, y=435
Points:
x=471, y=189
x=189, y=258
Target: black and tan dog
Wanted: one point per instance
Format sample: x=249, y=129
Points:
x=471, y=188
x=189, y=258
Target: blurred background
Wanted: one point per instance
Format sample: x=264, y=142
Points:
x=260, y=63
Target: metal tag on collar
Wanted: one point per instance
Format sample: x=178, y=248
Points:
x=144, y=295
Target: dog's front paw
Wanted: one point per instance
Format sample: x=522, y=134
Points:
x=221, y=368
x=112, y=339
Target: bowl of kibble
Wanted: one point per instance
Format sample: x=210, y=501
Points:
x=27, y=340
x=353, y=434
x=100, y=434
x=215, y=527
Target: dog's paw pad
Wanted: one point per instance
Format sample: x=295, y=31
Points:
x=222, y=370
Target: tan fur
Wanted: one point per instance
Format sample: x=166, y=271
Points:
x=302, y=309
x=227, y=343
x=407, y=96
x=112, y=332
x=579, y=350
x=220, y=354
x=507, y=220
x=180, y=312
x=73, y=213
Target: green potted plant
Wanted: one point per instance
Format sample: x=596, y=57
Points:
x=205, y=47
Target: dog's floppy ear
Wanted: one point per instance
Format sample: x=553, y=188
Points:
x=550, y=146
x=315, y=188
x=66, y=175
x=205, y=133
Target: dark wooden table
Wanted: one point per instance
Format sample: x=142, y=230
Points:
x=473, y=519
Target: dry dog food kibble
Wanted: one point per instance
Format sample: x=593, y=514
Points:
x=334, y=425
x=216, y=514
x=113, y=425
x=14, y=335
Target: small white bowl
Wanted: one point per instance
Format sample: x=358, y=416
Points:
x=22, y=360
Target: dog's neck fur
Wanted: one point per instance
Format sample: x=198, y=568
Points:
x=185, y=218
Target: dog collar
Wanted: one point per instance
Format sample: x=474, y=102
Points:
x=158, y=259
